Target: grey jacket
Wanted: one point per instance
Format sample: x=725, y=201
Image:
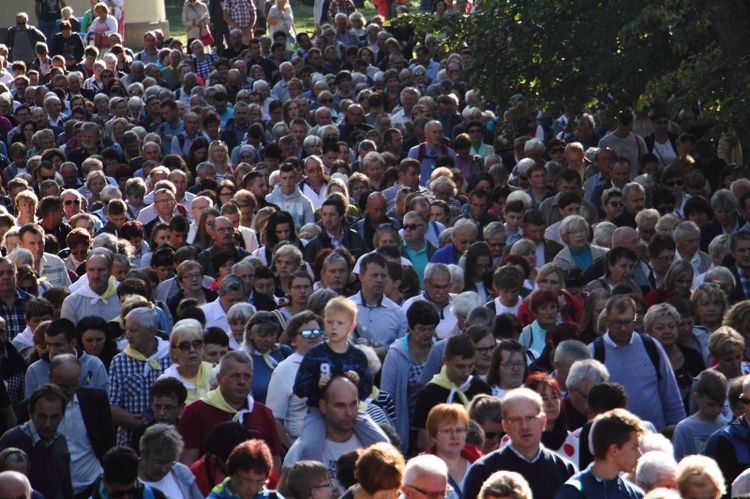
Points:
x=565, y=258
x=395, y=382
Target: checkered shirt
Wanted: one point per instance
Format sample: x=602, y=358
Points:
x=14, y=315
x=239, y=11
x=203, y=67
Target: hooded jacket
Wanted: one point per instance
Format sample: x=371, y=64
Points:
x=296, y=204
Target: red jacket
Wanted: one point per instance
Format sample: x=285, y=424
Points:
x=572, y=312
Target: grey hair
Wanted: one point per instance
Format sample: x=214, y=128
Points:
x=534, y=145
x=239, y=356
x=684, y=228
x=109, y=193
x=465, y=303
x=105, y=240
x=372, y=157
x=445, y=235
x=231, y=283
x=570, y=351
x=719, y=244
x=241, y=312
x=659, y=311
x=434, y=268
x=162, y=440
x=425, y=464
x=723, y=199
x=443, y=181
x=519, y=195
x=586, y=369
x=334, y=258
x=632, y=186
x=466, y=227
x=204, y=167
x=495, y=230
x=571, y=223
x=21, y=256
x=667, y=223
x=523, y=166
x=652, y=467
x=416, y=214
x=481, y=316
x=146, y=317
x=457, y=273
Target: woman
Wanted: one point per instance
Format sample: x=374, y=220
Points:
x=281, y=20
x=279, y=228
x=661, y=323
x=204, y=235
x=546, y=307
x=551, y=278
x=92, y=187
x=508, y=368
x=190, y=278
x=308, y=479
x=673, y=179
x=289, y=112
x=101, y=27
x=300, y=289
x=595, y=303
x=620, y=263
x=222, y=261
x=160, y=447
x=304, y=331
x=468, y=163
x=710, y=305
x=248, y=466
x=526, y=249
x=186, y=353
x=505, y=484
x=218, y=155
x=578, y=252
x=26, y=203
x=478, y=264
x=484, y=344
x=195, y=19
x=357, y=185
x=197, y=153
x=379, y=471
x=556, y=430
x=238, y=316
x=447, y=425
x=261, y=334
x=28, y=130
x=202, y=59
x=677, y=282
x=94, y=338
x=463, y=303
x=286, y=261
x=225, y=192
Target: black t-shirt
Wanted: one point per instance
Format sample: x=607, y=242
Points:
x=431, y=395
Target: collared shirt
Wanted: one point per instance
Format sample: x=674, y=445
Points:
x=55, y=271
x=14, y=315
x=524, y=458
x=29, y=429
x=84, y=465
x=336, y=241
x=419, y=260
x=448, y=321
x=215, y=315
x=385, y=319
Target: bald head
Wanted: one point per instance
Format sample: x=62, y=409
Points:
x=14, y=485
x=627, y=237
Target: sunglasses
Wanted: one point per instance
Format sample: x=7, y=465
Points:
x=557, y=150
x=674, y=183
x=617, y=204
x=419, y=73
x=185, y=346
x=264, y=319
x=386, y=226
x=311, y=333
x=326, y=101
x=76, y=202
x=412, y=226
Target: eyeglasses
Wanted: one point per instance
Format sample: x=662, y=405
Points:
x=433, y=494
x=525, y=419
x=709, y=285
x=185, y=346
x=264, y=319
x=453, y=432
x=412, y=226
x=136, y=92
x=311, y=333
x=192, y=277
x=616, y=204
x=419, y=73
x=743, y=399
x=513, y=366
x=245, y=482
x=323, y=485
x=557, y=150
x=81, y=252
x=666, y=259
x=300, y=287
x=47, y=177
x=675, y=183
x=485, y=350
x=618, y=323
x=326, y=101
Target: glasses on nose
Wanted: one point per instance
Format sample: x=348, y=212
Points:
x=617, y=204
x=76, y=202
x=485, y=350
x=81, y=252
x=557, y=150
x=522, y=419
x=513, y=366
x=311, y=333
x=185, y=346
x=621, y=324
x=435, y=494
x=264, y=319
x=192, y=277
x=412, y=226
x=675, y=183
x=453, y=432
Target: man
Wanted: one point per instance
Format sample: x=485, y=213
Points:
x=726, y=218
x=430, y=150
x=335, y=234
x=170, y=126
x=86, y=408
x=523, y=421
x=288, y=197
x=51, y=210
x=46, y=448
x=340, y=408
x=149, y=53
x=687, y=237
x=223, y=232
x=634, y=200
x=61, y=338
x=656, y=469
x=425, y=475
x=236, y=47
x=21, y=39
x=12, y=299
x=614, y=438
x=14, y=485
x=584, y=132
x=569, y=181
x=238, y=126
x=255, y=58
x=231, y=291
x=165, y=203
x=354, y=121
x=414, y=246
x=168, y=397
x=621, y=350
x=583, y=374
x=661, y=253
x=629, y=238
x=98, y=296
x=314, y=186
x=47, y=265
x=133, y=371
x=596, y=184
x=375, y=215
x=739, y=247
x=230, y=400
x=465, y=234
x=565, y=354
x=479, y=202
x=408, y=176
x=334, y=274
x=625, y=143
x=533, y=225
x=437, y=282
x=245, y=271
x=698, y=477
x=120, y=477
x=191, y=128
x=407, y=99
x=376, y=312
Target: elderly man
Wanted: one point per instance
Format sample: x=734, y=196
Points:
x=523, y=421
x=583, y=374
x=437, y=282
x=740, y=251
x=614, y=438
x=245, y=271
x=687, y=237
x=567, y=353
x=86, y=408
x=14, y=485
x=656, y=469
x=430, y=150
x=464, y=235
x=726, y=218
x=425, y=475
x=223, y=232
x=12, y=299
x=133, y=371
x=634, y=199
x=659, y=400
x=47, y=265
x=414, y=246
x=45, y=446
x=231, y=291
x=98, y=295
x=629, y=238
x=375, y=215
x=335, y=234
x=334, y=274
x=231, y=400
x=354, y=121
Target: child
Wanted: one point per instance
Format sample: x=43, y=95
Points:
x=507, y=280
x=691, y=434
x=334, y=356
x=513, y=215
x=37, y=311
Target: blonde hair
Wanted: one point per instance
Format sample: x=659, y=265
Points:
x=341, y=305
x=699, y=470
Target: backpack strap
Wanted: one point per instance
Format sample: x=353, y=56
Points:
x=599, y=349
x=653, y=353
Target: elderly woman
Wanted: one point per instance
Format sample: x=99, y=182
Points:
x=700, y=476
x=79, y=243
x=578, y=252
x=261, y=333
x=248, y=468
x=646, y=220
x=190, y=278
x=186, y=353
x=286, y=261
x=661, y=323
x=238, y=316
x=462, y=304
x=677, y=282
x=551, y=278
x=447, y=425
x=379, y=471
x=526, y=249
x=620, y=263
x=92, y=187
x=508, y=368
x=160, y=447
x=546, y=307
x=26, y=204
x=505, y=484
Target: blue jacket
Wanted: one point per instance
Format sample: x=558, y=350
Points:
x=585, y=485
x=447, y=255
x=395, y=382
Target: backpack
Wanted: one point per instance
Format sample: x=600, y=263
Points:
x=648, y=342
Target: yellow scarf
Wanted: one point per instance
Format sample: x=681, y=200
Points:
x=214, y=398
x=442, y=381
x=151, y=362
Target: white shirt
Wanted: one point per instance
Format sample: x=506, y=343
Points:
x=216, y=316
x=281, y=399
x=84, y=465
x=168, y=485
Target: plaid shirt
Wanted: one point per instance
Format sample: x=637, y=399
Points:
x=55, y=271
x=203, y=67
x=240, y=12
x=130, y=389
x=336, y=6
x=14, y=315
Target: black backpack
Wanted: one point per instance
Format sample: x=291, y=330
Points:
x=648, y=342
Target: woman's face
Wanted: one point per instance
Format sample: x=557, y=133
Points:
x=300, y=291
x=366, y=56
x=664, y=330
x=483, y=354
x=357, y=189
x=190, y=358
x=218, y=154
x=291, y=112
x=621, y=271
x=93, y=342
x=438, y=214
x=225, y=195
x=121, y=109
x=161, y=237
x=200, y=154
x=301, y=344
x=96, y=185
x=682, y=284
x=85, y=224
x=550, y=282
x=551, y=403
x=708, y=310
x=28, y=131
x=294, y=91
x=238, y=330
x=192, y=280
x=263, y=338
x=210, y=225
x=450, y=438
x=577, y=238
x=285, y=266
x=546, y=315
x=247, y=484
x=26, y=208
x=212, y=129
x=155, y=466
x=511, y=369
x=530, y=257
x=283, y=232
x=256, y=73
x=118, y=129
x=730, y=365
x=483, y=265
x=226, y=269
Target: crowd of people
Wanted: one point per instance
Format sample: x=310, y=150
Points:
x=270, y=263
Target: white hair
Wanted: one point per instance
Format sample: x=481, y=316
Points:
x=425, y=464
x=652, y=467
